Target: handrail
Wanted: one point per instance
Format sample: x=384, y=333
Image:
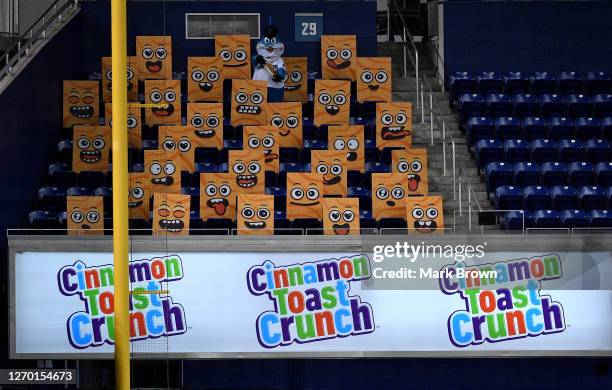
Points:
x=435, y=45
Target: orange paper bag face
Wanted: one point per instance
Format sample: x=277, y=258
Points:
x=330, y=164
x=304, y=195
x=204, y=79
x=107, y=78
x=206, y=122
x=388, y=193
x=296, y=80
x=349, y=139
x=332, y=102
x=424, y=214
x=164, y=170
x=341, y=216
x=90, y=148
x=139, y=197
x=171, y=214
x=413, y=164
x=248, y=166
x=85, y=215
x=218, y=196
x=338, y=54
x=154, y=57
x=234, y=51
x=286, y=117
x=248, y=100
x=263, y=138
x=255, y=214
x=81, y=103
x=167, y=92
x=134, y=124
x=179, y=138
x=394, y=125
x=374, y=79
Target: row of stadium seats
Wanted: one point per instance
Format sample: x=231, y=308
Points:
x=552, y=219
x=556, y=197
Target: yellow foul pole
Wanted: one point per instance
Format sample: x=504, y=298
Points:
x=120, y=194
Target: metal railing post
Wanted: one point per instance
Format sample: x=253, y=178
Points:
x=469, y=209
x=405, y=54
x=454, y=175
x=443, y=149
x=422, y=105
x=416, y=66
x=460, y=206
x=431, y=126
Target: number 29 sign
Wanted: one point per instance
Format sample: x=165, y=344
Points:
x=308, y=27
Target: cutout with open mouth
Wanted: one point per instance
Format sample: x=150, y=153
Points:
x=172, y=225
x=82, y=112
x=166, y=180
x=394, y=132
x=342, y=65
x=209, y=133
x=413, y=182
x=205, y=86
x=255, y=225
x=219, y=204
x=246, y=109
x=425, y=226
x=246, y=181
x=90, y=156
x=135, y=204
x=154, y=66
x=167, y=111
x=341, y=229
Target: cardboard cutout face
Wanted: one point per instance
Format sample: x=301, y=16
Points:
x=90, y=148
x=341, y=216
x=351, y=140
x=330, y=164
x=248, y=166
x=338, y=55
x=248, y=100
x=139, y=197
x=255, y=214
x=179, y=138
x=107, y=78
x=287, y=118
x=85, y=215
x=205, y=79
x=425, y=214
x=388, y=193
x=218, y=196
x=154, y=57
x=296, y=81
x=163, y=92
x=234, y=51
x=394, y=125
x=374, y=79
x=205, y=120
x=332, y=102
x=163, y=170
x=81, y=102
x=263, y=138
x=171, y=214
x=134, y=124
x=413, y=164
x=304, y=195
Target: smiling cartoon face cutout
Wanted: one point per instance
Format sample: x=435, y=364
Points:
x=218, y=196
x=338, y=55
x=179, y=138
x=331, y=105
x=90, y=148
x=394, y=125
x=85, y=215
x=263, y=138
x=134, y=124
x=388, y=193
x=204, y=79
x=107, y=79
x=413, y=164
x=234, y=51
x=296, y=80
x=374, y=79
x=154, y=57
x=330, y=164
x=248, y=166
x=81, y=103
x=341, y=216
x=205, y=121
x=171, y=214
x=425, y=214
x=165, y=92
x=286, y=117
x=350, y=139
x=248, y=102
x=255, y=214
x=139, y=195
x=304, y=195
x=164, y=170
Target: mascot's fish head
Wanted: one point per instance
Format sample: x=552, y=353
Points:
x=270, y=47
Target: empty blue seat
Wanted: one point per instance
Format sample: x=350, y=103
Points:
x=61, y=175
x=602, y=105
x=291, y=167
x=107, y=195
x=149, y=144
x=606, y=128
x=574, y=219
x=579, y=105
x=508, y=198
x=488, y=150
x=206, y=167
x=517, y=220
x=79, y=191
x=597, y=150
x=609, y=197
x=592, y=198
x=52, y=198
x=508, y=128
x=489, y=82
x=552, y=104
x=471, y=104
x=564, y=197
x=526, y=174
x=534, y=128
x=478, y=128
x=462, y=82
x=603, y=171
x=315, y=144
x=570, y=150
x=43, y=220
x=588, y=127
x=560, y=128
x=499, y=104
x=553, y=173
x=543, y=82
x=600, y=218
x=137, y=167
x=536, y=197
x=516, y=82
x=358, y=192
x=516, y=150
x=376, y=167
x=598, y=82
x=543, y=150
x=581, y=173
x=64, y=150
x=546, y=219
x=526, y=104
x=497, y=174
x=276, y=191
x=232, y=144
x=91, y=179
x=570, y=82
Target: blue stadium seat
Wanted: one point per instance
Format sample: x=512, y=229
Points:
x=508, y=198
x=91, y=179
x=61, y=175
x=543, y=150
x=597, y=150
x=376, y=167
x=515, y=82
x=291, y=167
x=602, y=105
x=564, y=197
x=137, y=167
x=561, y=128
x=600, y=218
x=526, y=104
x=535, y=127
x=232, y=144
x=543, y=82
x=43, y=220
x=553, y=173
x=497, y=174
x=598, y=82
x=471, y=104
x=149, y=144
x=394, y=225
x=508, y=128
x=462, y=82
x=314, y=144
x=517, y=220
x=547, y=219
x=489, y=82
x=570, y=150
x=570, y=82
x=276, y=191
x=478, y=128
x=606, y=128
x=205, y=167
x=358, y=192
x=52, y=198
x=603, y=171
x=499, y=104
x=207, y=155
x=588, y=127
x=552, y=104
x=516, y=150
x=79, y=191
x=107, y=194
x=574, y=219
x=581, y=173
x=488, y=150
x=526, y=174
x=536, y=197
x=592, y=198
x=64, y=150
x=609, y=197
x=579, y=105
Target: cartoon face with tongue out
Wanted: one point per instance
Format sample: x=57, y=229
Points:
x=139, y=195
x=249, y=168
x=171, y=214
x=90, y=148
x=413, y=164
x=248, y=100
x=204, y=79
x=394, y=125
x=286, y=117
x=388, y=193
x=350, y=139
x=218, y=195
x=107, y=80
x=80, y=103
x=134, y=124
x=341, y=216
x=234, y=51
x=164, y=170
x=330, y=164
x=331, y=105
x=304, y=195
x=167, y=94
x=424, y=214
x=338, y=54
x=264, y=138
x=205, y=121
x=255, y=214
x=179, y=138
x=85, y=215
x=154, y=54
x=374, y=79
x=296, y=79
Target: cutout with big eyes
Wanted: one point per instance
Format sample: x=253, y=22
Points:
x=168, y=96
x=239, y=56
x=205, y=80
x=330, y=171
x=388, y=194
x=304, y=195
x=393, y=126
x=413, y=164
x=85, y=215
x=332, y=100
x=234, y=55
x=255, y=218
x=425, y=218
x=341, y=220
x=246, y=173
x=91, y=148
x=205, y=120
x=296, y=89
x=154, y=57
x=217, y=196
x=338, y=56
x=139, y=194
x=424, y=214
x=242, y=97
x=255, y=214
x=374, y=79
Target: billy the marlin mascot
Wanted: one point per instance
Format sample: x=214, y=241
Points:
x=268, y=64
